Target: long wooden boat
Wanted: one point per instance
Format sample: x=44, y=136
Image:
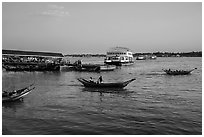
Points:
x=94, y=67
x=17, y=94
x=87, y=69
x=178, y=72
x=107, y=67
x=87, y=83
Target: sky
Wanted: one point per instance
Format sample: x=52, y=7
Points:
x=95, y=27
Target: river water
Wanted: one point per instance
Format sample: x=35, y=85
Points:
x=153, y=104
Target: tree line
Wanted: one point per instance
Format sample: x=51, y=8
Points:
x=158, y=54
x=173, y=54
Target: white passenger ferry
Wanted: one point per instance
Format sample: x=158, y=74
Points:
x=119, y=56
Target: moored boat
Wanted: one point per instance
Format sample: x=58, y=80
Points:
x=178, y=72
x=88, y=83
x=107, y=67
x=79, y=66
x=87, y=67
x=67, y=68
x=146, y=57
x=140, y=57
x=16, y=94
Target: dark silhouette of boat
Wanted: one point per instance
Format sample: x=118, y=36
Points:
x=16, y=94
x=88, y=68
x=88, y=83
x=178, y=72
x=94, y=68
x=79, y=66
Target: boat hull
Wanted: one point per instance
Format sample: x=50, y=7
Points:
x=178, y=72
x=119, y=63
x=18, y=95
x=89, y=84
x=93, y=67
x=107, y=68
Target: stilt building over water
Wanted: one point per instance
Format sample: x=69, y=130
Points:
x=16, y=60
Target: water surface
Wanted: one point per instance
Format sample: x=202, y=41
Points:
x=153, y=104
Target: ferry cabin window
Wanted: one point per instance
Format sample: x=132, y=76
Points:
x=108, y=58
x=122, y=58
x=116, y=53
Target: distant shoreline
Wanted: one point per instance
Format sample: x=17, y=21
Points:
x=158, y=54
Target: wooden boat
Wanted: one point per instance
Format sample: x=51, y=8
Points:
x=79, y=66
x=87, y=83
x=87, y=69
x=67, y=68
x=16, y=94
x=178, y=72
x=146, y=57
x=107, y=67
x=94, y=68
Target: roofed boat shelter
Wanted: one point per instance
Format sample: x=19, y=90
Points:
x=31, y=53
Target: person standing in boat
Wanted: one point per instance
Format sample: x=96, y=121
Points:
x=100, y=79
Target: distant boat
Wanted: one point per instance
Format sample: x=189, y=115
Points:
x=144, y=57
x=67, y=68
x=140, y=57
x=16, y=94
x=87, y=67
x=178, y=72
x=107, y=67
x=88, y=83
x=79, y=66
x=119, y=56
x=153, y=57
x=94, y=68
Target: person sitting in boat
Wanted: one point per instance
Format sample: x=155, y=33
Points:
x=100, y=79
x=13, y=92
x=79, y=62
x=91, y=80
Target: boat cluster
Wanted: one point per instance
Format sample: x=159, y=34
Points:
x=19, y=94
x=79, y=66
x=116, y=57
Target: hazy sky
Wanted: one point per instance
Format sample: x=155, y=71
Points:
x=95, y=27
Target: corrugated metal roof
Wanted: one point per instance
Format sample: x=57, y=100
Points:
x=31, y=53
x=119, y=49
